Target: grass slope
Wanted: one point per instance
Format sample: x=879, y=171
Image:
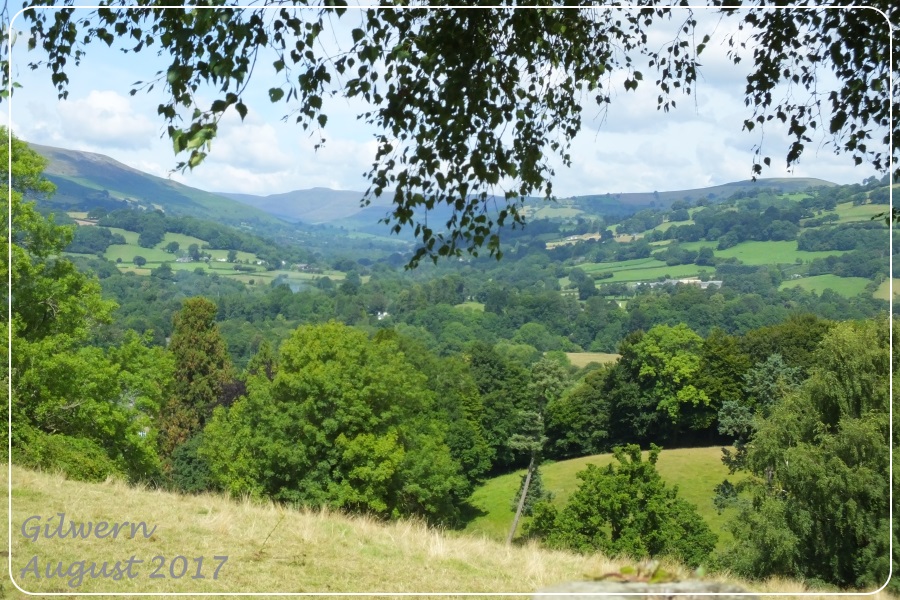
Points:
x=272, y=549
x=696, y=471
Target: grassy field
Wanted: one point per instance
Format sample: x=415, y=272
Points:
x=582, y=359
x=477, y=306
x=551, y=212
x=643, y=269
x=849, y=213
x=771, y=253
x=696, y=471
x=884, y=290
x=271, y=549
x=845, y=286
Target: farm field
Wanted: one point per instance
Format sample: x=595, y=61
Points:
x=696, y=472
x=884, y=290
x=582, y=359
x=641, y=269
x=848, y=213
x=771, y=253
x=845, y=286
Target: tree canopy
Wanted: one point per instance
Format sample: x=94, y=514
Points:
x=471, y=106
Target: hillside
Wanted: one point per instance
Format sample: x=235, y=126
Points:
x=696, y=472
x=270, y=549
x=85, y=180
x=316, y=205
x=718, y=192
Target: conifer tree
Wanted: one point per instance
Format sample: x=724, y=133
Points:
x=202, y=368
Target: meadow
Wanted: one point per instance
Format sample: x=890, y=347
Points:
x=696, y=472
x=273, y=549
x=845, y=286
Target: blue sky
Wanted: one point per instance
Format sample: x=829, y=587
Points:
x=634, y=148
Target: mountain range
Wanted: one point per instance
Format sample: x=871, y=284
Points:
x=86, y=180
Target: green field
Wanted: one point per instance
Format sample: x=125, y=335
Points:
x=771, y=253
x=555, y=212
x=131, y=237
x=696, y=472
x=845, y=286
x=849, y=213
x=884, y=291
x=642, y=269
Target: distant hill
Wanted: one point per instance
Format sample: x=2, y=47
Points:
x=316, y=205
x=630, y=202
x=86, y=180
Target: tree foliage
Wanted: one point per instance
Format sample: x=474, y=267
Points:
x=470, y=105
x=203, y=368
x=817, y=504
x=88, y=411
x=626, y=509
x=346, y=422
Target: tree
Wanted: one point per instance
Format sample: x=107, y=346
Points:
x=51, y=296
x=75, y=408
x=668, y=360
x=202, y=369
x=498, y=106
x=346, y=422
x=626, y=509
x=232, y=256
x=140, y=261
x=816, y=504
x=172, y=247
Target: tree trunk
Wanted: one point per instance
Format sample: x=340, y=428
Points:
x=522, y=497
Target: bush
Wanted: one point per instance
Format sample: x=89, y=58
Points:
x=78, y=458
x=189, y=472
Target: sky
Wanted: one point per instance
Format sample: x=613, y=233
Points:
x=633, y=147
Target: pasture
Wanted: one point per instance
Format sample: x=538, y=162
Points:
x=845, y=286
x=696, y=472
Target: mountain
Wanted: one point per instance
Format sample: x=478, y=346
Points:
x=316, y=205
x=85, y=180
x=632, y=202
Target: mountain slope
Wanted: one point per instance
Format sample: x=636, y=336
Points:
x=85, y=180
x=316, y=205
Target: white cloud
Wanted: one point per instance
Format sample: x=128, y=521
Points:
x=106, y=119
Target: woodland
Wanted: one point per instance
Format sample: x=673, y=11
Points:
x=396, y=392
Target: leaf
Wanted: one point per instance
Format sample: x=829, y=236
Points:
x=276, y=94
x=357, y=34
x=242, y=109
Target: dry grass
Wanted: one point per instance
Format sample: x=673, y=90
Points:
x=272, y=549
x=582, y=359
